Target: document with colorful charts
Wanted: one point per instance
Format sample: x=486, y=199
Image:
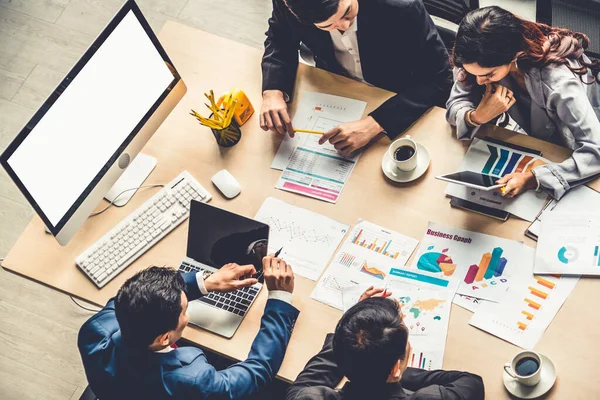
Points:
x=497, y=160
x=529, y=307
x=318, y=112
x=367, y=256
x=308, y=239
x=425, y=302
x=482, y=263
x=568, y=244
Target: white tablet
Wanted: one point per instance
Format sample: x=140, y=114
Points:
x=472, y=179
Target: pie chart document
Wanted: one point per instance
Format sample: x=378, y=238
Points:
x=569, y=244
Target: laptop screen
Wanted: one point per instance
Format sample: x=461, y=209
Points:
x=217, y=237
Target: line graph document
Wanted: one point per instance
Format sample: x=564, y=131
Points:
x=308, y=239
x=318, y=112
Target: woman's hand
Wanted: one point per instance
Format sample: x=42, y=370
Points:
x=497, y=99
x=372, y=292
x=517, y=183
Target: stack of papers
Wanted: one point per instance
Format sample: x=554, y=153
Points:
x=367, y=257
x=311, y=169
x=497, y=160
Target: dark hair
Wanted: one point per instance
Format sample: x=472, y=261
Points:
x=312, y=11
x=492, y=36
x=149, y=304
x=369, y=339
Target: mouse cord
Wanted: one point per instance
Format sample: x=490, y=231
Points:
x=126, y=190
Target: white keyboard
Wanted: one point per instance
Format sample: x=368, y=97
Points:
x=141, y=229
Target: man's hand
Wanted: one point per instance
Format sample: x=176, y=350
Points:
x=278, y=274
x=496, y=100
x=351, y=136
x=372, y=292
x=274, y=114
x=231, y=277
x=516, y=183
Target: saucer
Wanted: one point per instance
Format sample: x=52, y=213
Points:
x=532, y=392
x=390, y=170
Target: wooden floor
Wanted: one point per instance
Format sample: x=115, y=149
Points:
x=39, y=42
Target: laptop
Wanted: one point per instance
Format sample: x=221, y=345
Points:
x=217, y=237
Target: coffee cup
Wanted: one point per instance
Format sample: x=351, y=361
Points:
x=403, y=152
x=525, y=367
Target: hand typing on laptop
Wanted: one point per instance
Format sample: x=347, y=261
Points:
x=231, y=277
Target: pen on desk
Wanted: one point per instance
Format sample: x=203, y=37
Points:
x=309, y=131
x=278, y=252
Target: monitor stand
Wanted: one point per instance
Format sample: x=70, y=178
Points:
x=133, y=177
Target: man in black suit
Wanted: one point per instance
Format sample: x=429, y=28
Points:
x=370, y=347
x=392, y=44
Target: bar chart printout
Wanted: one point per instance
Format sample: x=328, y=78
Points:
x=527, y=310
x=366, y=257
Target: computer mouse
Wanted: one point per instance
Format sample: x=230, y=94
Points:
x=226, y=183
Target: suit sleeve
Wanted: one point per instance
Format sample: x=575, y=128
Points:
x=569, y=100
x=446, y=385
x=192, y=291
x=463, y=98
x=428, y=85
x=245, y=379
x=321, y=370
x=280, y=59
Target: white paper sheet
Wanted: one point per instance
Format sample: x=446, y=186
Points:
x=318, y=112
x=308, y=239
x=493, y=159
x=569, y=244
x=467, y=302
x=528, y=308
x=483, y=263
x=367, y=256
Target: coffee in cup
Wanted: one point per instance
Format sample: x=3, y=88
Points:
x=403, y=152
x=525, y=367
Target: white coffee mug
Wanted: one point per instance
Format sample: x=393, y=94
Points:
x=408, y=164
x=530, y=379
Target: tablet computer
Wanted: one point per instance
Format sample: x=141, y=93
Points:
x=472, y=179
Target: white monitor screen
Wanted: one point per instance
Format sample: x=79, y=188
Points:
x=91, y=119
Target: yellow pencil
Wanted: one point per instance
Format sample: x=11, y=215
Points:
x=308, y=131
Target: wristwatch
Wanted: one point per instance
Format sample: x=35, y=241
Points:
x=206, y=274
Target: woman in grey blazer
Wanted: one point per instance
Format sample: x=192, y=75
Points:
x=540, y=76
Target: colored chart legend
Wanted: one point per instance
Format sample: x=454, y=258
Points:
x=491, y=265
x=346, y=259
x=362, y=239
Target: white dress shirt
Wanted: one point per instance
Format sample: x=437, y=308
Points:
x=346, y=51
x=273, y=294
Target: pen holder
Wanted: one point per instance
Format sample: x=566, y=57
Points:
x=228, y=136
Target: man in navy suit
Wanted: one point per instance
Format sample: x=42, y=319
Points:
x=128, y=348
x=391, y=44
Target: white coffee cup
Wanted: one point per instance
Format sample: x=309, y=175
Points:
x=408, y=164
x=525, y=378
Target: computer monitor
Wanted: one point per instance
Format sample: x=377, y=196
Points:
x=90, y=128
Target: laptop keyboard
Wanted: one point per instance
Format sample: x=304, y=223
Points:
x=236, y=302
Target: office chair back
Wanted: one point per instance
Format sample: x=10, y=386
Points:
x=451, y=10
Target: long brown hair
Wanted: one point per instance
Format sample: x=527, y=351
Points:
x=492, y=36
